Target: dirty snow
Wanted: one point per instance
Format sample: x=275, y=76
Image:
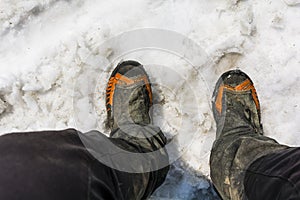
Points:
x=54, y=64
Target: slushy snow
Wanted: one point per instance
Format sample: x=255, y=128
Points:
x=55, y=62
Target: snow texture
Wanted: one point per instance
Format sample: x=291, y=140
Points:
x=55, y=62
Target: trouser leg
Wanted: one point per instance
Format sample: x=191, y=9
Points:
x=136, y=156
x=231, y=156
x=44, y=165
x=64, y=165
x=274, y=176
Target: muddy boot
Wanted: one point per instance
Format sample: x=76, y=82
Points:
x=239, y=138
x=128, y=96
x=235, y=104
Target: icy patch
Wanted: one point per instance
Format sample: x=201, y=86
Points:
x=182, y=183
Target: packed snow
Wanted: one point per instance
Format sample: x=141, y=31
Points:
x=56, y=57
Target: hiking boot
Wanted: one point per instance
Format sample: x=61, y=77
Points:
x=128, y=96
x=235, y=104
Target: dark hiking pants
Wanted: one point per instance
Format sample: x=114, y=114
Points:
x=71, y=165
x=245, y=165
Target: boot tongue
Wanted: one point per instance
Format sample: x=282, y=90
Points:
x=134, y=108
x=139, y=105
x=240, y=114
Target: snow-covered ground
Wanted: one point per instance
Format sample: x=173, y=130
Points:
x=56, y=56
